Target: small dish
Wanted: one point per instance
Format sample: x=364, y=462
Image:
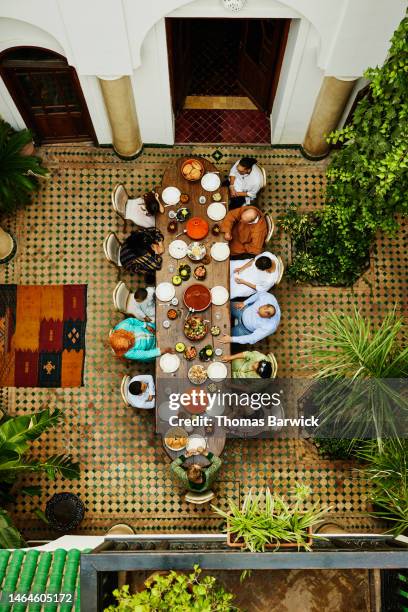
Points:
x=218, y=351
x=217, y=197
x=172, y=214
x=202, y=199
x=166, y=324
x=174, y=301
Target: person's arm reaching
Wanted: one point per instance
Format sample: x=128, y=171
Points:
x=251, y=299
x=229, y=221
x=140, y=355
x=257, y=335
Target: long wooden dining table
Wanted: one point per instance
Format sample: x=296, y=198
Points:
x=217, y=274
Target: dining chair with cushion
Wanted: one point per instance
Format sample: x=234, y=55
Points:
x=281, y=269
x=119, y=199
x=199, y=498
x=123, y=389
x=264, y=178
x=271, y=227
x=274, y=364
x=111, y=248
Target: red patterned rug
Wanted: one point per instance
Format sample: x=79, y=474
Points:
x=42, y=335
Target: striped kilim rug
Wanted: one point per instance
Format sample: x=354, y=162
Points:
x=42, y=335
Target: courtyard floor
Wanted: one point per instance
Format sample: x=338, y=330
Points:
x=125, y=474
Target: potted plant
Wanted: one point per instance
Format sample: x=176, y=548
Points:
x=269, y=521
x=19, y=174
x=175, y=591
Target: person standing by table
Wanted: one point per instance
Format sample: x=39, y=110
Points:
x=255, y=319
x=196, y=477
x=134, y=339
x=245, y=180
x=245, y=229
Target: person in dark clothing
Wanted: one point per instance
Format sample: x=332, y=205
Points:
x=142, y=251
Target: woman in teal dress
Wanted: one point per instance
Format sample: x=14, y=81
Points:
x=134, y=339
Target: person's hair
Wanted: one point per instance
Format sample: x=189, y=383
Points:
x=264, y=263
x=152, y=205
x=194, y=473
x=271, y=306
x=135, y=387
x=140, y=294
x=121, y=341
x=264, y=369
x=247, y=162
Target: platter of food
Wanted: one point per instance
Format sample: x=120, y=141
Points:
x=190, y=353
x=197, y=297
x=194, y=328
x=176, y=438
x=192, y=169
x=196, y=251
x=197, y=374
x=200, y=272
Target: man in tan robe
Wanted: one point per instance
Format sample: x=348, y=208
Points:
x=245, y=229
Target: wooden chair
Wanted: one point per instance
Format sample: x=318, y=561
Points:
x=119, y=199
x=123, y=389
x=281, y=269
x=271, y=227
x=111, y=248
x=199, y=498
x=274, y=364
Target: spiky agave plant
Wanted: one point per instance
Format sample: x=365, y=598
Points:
x=363, y=367
x=18, y=173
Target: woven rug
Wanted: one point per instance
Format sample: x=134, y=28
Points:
x=42, y=335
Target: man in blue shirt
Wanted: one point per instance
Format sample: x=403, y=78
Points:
x=256, y=318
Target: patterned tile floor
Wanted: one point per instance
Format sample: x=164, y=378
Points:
x=226, y=126
x=125, y=472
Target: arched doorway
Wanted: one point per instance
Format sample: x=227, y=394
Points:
x=47, y=92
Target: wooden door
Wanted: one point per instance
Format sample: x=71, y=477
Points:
x=262, y=50
x=48, y=95
x=178, y=32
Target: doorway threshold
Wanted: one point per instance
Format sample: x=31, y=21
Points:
x=222, y=126
x=219, y=103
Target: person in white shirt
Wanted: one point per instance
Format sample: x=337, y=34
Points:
x=145, y=309
x=255, y=319
x=141, y=392
x=253, y=275
x=142, y=211
x=245, y=180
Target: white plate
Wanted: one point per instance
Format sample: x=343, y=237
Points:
x=217, y=371
x=220, y=251
x=169, y=363
x=171, y=195
x=196, y=441
x=210, y=181
x=165, y=412
x=165, y=292
x=219, y=295
x=178, y=249
x=216, y=211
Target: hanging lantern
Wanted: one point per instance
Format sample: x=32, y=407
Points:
x=234, y=5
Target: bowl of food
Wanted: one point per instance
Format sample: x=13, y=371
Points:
x=206, y=353
x=176, y=438
x=190, y=353
x=183, y=214
x=217, y=197
x=172, y=314
x=192, y=169
x=197, y=228
x=176, y=280
x=197, y=297
x=215, y=230
x=200, y=272
x=194, y=328
x=197, y=374
x=180, y=347
x=215, y=330
x=196, y=251
x=184, y=198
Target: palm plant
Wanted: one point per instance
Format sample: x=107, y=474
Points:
x=18, y=173
x=265, y=519
x=363, y=368
x=388, y=475
x=10, y=537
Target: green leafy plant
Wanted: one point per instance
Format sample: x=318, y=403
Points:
x=266, y=519
x=337, y=448
x=364, y=368
x=175, y=591
x=18, y=173
x=366, y=178
x=10, y=537
x=388, y=475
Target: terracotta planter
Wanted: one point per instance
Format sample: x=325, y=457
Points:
x=287, y=545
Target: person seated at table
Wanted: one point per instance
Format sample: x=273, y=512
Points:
x=254, y=319
x=142, y=210
x=245, y=229
x=145, y=304
x=196, y=477
x=245, y=180
x=257, y=274
x=251, y=364
x=141, y=392
x=134, y=339
x=142, y=251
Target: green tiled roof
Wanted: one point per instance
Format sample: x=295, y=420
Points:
x=35, y=571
